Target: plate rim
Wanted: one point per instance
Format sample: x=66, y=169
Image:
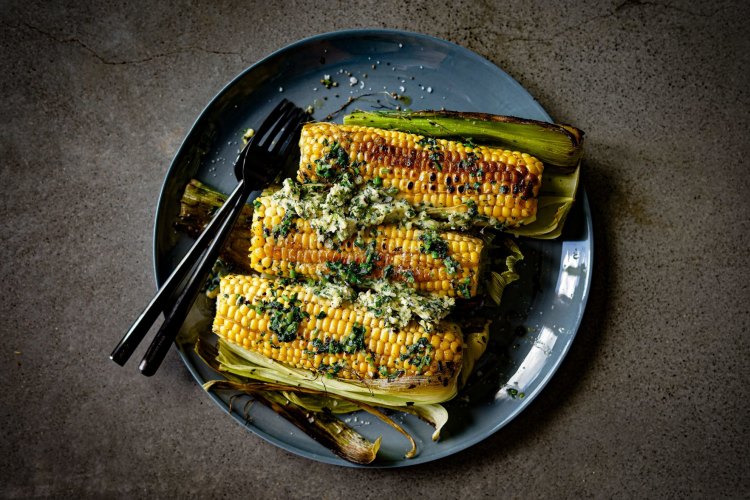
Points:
x=334, y=459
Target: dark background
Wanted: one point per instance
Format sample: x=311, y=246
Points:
x=95, y=98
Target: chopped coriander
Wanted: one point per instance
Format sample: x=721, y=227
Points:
x=417, y=354
x=286, y=225
x=323, y=169
x=355, y=341
x=468, y=162
x=427, y=142
x=436, y=158
x=354, y=272
x=451, y=266
x=330, y=346
x=285, y=317
x=332, y=370
x=338, y=154
x=433, y=245
x=388, y=271
x=463, y=288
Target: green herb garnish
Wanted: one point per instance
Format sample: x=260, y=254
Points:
x=433, y=244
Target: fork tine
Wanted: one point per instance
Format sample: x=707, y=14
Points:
x=280, y=125
x=272, y=118
x=281, y=146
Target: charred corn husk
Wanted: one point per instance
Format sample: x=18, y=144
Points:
x=289, y=324
x=555, y=144
x=444, y=263
x=198, y=205
x=498, y=185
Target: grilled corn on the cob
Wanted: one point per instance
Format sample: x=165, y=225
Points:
x=444, y=263
x=501, y=185
x=292, y=325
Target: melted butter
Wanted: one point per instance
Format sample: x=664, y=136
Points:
x=337, y=212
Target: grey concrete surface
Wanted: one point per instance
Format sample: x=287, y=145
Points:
x=95, y=98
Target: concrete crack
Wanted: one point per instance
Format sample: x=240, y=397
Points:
x=112, y=62
x=549, y=39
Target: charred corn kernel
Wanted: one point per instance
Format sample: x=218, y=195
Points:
x=340, y=348
x=397, y=250
x=438, y=173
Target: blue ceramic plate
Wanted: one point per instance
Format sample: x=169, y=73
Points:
x=542, y=311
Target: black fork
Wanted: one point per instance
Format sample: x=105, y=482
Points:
x=256, y=166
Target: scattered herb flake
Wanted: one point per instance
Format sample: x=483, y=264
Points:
x=286, y=225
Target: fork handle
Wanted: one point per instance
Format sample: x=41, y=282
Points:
x=171, y=326
x=161, y=300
